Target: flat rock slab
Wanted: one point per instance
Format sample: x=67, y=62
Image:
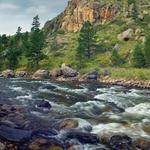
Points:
x=14, y=135
x=83, y=137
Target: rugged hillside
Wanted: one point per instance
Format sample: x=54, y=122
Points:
x=120, y=24
x=97, y=12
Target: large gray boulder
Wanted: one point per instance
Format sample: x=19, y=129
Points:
x=126, y=35
x=40, y=74
x=91, y=76
x=68, y=72
x=8, y=73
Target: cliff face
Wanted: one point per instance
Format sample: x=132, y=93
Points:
x=95, y=11
x=79, y=11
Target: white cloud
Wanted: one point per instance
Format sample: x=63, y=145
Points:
x=8, y=6
x=14, y=13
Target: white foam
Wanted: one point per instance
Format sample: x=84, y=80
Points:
x=82, y=123
x=140, y=109
x=88, y=105
x=24, y=97
x=17, y=89
x=77, y=91
x=116, y=128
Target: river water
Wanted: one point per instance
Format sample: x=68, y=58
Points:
x=108, y=110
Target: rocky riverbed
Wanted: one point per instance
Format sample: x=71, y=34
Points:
x=44, y=115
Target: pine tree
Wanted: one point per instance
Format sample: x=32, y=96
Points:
x=25, y=43
x=12, y=54
x=34, y=53
x=138, y=59
x=4, y=40
x=116, y=59
x=147, y=51
x=86, y=42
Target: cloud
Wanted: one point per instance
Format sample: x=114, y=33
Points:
x=8, y=6
x=14, y=13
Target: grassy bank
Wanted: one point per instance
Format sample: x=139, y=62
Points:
x=128, y=73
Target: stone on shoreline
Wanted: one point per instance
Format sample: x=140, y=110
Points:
x=91, y=76
x=40, y=75
x=21, y=74
x=68, y=71
x=8, y=73
x=55, y=73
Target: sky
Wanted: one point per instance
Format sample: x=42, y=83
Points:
x=15, y=13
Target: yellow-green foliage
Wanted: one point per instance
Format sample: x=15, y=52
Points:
x=128, y=73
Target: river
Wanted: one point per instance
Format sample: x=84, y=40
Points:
x=108, y=110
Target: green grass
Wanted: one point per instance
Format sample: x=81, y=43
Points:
x=128, y=73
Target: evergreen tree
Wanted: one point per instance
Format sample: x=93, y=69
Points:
x=138, y=59
x=116, y=59
x=34, y=53
x=86, y=42
x=147, y=51
x=25, y=43
x=18, y=34
x=12, y=54
x=4, y=40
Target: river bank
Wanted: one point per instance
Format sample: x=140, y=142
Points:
x=120, y=77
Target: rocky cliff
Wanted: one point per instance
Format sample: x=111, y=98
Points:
x=95, y=11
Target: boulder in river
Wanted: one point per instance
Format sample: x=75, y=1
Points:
x=68, y=72
x=142, y=143
x=68, y=124
x=118, y=142
x=43, y=104
x=14, y=135
x=83, y=137
x=45, y=144
x=40, y=75
x=8, y=73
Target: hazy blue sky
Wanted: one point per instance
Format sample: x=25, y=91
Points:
x=14, y=13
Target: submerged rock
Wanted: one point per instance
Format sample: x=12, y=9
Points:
x=43, y=104
x=40, y=74
x=142, y=143
x=118, y=142
x=8, y=73
x=14, y=135
x=68, y=124
x=45, y=144
x=49, y=87
x=83, y=137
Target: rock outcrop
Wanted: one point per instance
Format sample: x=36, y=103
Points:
x=79, y=11
x=126, y=35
